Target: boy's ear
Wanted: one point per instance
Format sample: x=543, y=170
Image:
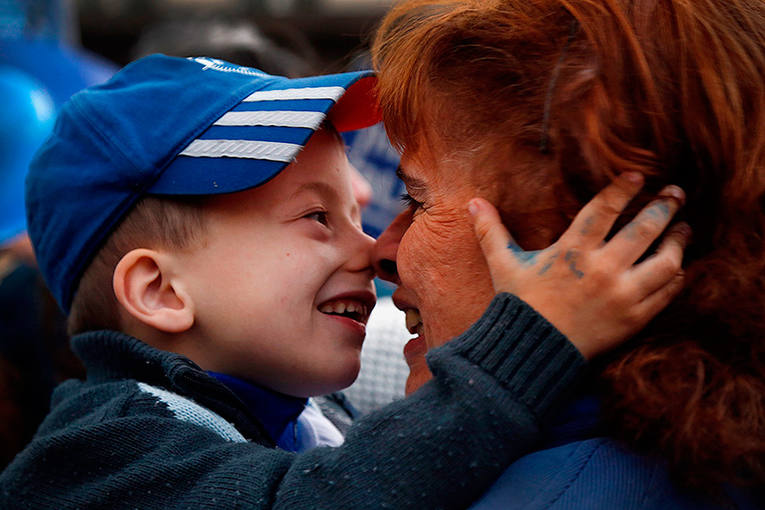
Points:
x=144, y=287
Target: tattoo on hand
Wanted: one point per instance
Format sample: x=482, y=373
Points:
x=571, y=257
x=587, y=227
x=549, y=263
x=528, y=258
x=659, y=210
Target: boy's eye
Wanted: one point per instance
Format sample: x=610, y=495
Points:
x=410, y=202
x=318, y=216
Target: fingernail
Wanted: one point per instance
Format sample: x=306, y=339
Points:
x=473, y=207
x=633, y=177
x=674, y=192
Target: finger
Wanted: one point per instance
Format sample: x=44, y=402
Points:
x=649, y=307
x=491, y=234
x=659, y=269
x=631, y=242
x=594, y=221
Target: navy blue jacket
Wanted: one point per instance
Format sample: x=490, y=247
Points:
x=150, y=429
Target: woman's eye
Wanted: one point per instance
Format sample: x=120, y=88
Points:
x=318, y=216
x=410, y=202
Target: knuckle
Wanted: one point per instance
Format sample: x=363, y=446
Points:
x=603, y=267
x=601, y=285
x=482, y=231
x=675, y=262
x=611, y=205
x=648, y=228
x=622, y=296
x=678, y=281
x=601, y=276
x=667, y=268
x=677, y=241
x=673, y=256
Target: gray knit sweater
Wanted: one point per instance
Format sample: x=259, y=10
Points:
x=149, y=429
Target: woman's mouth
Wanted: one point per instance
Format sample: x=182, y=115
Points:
x=415, y=348
x=414, y=322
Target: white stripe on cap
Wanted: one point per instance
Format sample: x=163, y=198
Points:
x=333, y=93
x=311, y=120
x=272, y=151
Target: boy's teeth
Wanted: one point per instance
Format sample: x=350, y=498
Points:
x=413, y=319
x=343, y=307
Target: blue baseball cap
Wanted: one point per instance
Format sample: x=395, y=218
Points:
x=171, y=126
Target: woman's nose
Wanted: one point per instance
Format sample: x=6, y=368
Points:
x=386, y=249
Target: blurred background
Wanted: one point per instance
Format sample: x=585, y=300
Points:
x=50, y=49
x=328, y=33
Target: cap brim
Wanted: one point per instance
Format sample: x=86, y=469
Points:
x=258, y=138
x=358, y=107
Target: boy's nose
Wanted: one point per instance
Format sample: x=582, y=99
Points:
x=362, y=249
x=386, y=248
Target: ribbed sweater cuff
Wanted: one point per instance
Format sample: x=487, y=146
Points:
x=522, y=350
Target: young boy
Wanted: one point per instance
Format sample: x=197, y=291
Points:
x=206, y=209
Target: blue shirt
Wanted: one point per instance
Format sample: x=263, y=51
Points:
x=277, y=412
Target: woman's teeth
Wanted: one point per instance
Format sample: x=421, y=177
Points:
x=414, y=322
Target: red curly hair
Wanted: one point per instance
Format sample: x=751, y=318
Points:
x=671, y=88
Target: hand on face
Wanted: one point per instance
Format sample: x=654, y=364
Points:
x=592, y=290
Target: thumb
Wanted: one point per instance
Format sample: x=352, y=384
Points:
x=492, y=236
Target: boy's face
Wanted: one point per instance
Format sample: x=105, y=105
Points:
x=282, y=283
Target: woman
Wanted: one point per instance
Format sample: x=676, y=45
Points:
x=535, y=106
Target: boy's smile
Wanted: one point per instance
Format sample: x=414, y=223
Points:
x=282, y=285
x=352, y=309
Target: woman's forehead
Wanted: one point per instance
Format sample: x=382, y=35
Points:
x=480, y=160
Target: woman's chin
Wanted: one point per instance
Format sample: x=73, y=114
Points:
x=419, y=374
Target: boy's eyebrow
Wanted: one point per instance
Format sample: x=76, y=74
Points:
x=318, y=186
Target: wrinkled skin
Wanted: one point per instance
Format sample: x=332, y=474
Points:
x=441, y=270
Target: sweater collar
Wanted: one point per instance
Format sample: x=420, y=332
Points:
x=112, y=355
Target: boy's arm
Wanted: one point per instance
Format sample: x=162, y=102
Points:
x=444, y=445
x=439, y=448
